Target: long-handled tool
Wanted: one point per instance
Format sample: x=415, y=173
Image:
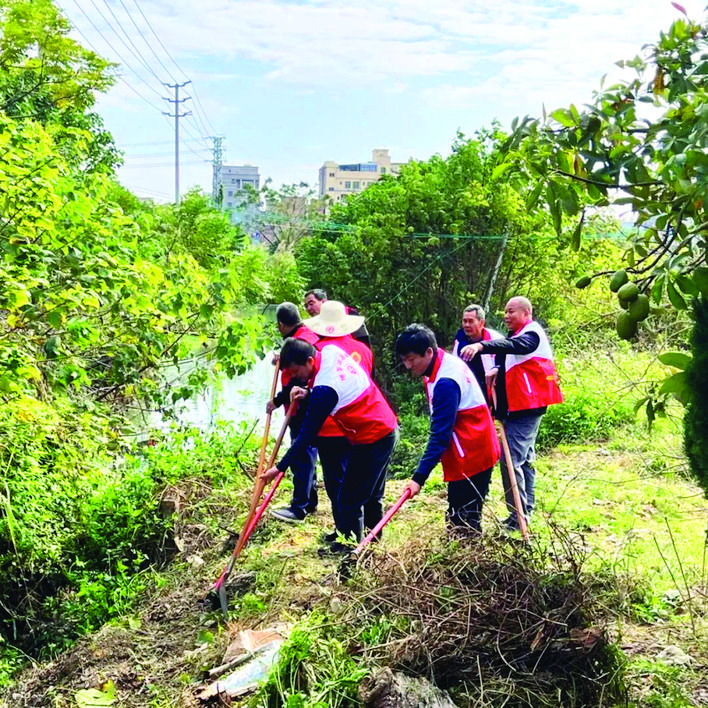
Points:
x=253, y=516
x=351, y=560
x=511, y=474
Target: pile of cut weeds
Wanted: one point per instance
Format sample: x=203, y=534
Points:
x=494, y=621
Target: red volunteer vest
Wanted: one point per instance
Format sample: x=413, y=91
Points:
x=362, y=355
x=532, y=379
x=302, y=332
x=474, y=446
x=361, y=413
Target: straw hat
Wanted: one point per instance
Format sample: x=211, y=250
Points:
x=333, y=320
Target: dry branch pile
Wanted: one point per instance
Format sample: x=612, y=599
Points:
x=504, y=624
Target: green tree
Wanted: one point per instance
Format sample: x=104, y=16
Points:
x=48, y=77
x=642, y=143
x=423, y=245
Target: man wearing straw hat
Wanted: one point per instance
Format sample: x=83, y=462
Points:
x=339, y=386
x=304, y=499
x=462, y=434
x=335, y=326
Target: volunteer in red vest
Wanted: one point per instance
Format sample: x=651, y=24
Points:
x=473, y=330
x=340, y=387
x=335, y=326
x=462, y=433
x=304, y=499
x=525, y=382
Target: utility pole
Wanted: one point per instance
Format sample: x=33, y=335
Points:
x=177, y=115
x=217, y=162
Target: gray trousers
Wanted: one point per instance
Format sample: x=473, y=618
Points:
x=521, y=433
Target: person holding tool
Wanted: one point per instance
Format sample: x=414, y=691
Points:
x=462, y=433
x=340, y=387
x=335, y=327
x=525, y=382
x=304, y=499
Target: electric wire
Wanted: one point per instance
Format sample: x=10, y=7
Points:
x=147, y=22
x=206, y=129
x=113, y=49
x=120, y=78
x=130, y=47
x=163, y=164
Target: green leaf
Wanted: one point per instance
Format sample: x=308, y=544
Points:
x=676, y=385
x=575, y=239
x=700, y=278
x=93, y=698
x=499, y=170
x=675, y=297
x=678, y=360
x=532, y=198
x=686, y=284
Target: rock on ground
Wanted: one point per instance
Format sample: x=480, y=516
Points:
x=395, y=690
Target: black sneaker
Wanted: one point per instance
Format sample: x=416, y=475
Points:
x=335, y=549
x=287, y=514
x=329, y=536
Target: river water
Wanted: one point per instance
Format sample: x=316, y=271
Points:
x=242, y=398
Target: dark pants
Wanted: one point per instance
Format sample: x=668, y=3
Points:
x=521, y=433
x=334, y=455
x=304, y=499
x=363, y=484
x=465, y=498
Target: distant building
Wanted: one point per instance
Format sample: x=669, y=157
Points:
x=234, y=185
x=336, y=180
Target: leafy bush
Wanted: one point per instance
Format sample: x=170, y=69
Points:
x=597, y=396
x=75, y=532
x=696, y=419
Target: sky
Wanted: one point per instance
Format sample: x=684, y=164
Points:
x=289, y=84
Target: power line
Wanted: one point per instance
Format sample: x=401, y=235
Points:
x=113, y=49
x=159, y=41
x=134, y=51
x=206, y=128
x=155, y=143
x=120, y=78
x=162, y=164
x=149, y=46
x=201, y=108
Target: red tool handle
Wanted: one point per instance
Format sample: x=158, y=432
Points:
x=386, y=518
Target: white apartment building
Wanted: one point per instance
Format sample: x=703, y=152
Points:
x=338, y=180
x=232, y=183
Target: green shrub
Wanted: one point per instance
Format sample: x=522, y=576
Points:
x=599, y=398
x=75, y=532
x=696, y=418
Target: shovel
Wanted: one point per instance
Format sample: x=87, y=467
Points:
x=345, y=567
x=512, y=476
x=254, y=514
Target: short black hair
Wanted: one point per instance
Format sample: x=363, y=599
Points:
x=416, y=339
x=295, y=351
x=287, y=314
x=318, y=293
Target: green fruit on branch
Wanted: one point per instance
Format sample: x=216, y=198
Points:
x=618, y=280
x=628, y=292
x=583, y=282
x=626, y=327
x=639, y=308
